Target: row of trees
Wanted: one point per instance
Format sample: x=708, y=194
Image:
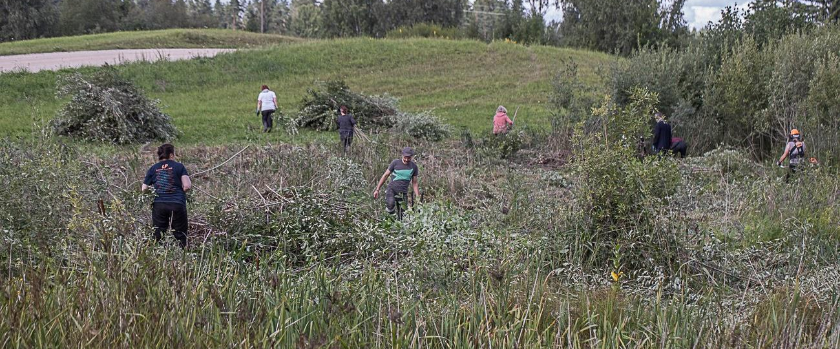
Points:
x=620, y=26
x=594, y=24
x=29, y=19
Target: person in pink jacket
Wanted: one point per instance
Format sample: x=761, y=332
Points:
x=501, y=121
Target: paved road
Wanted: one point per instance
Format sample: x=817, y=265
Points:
x=58, y=60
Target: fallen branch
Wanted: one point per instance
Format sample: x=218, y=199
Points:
x=226, y=161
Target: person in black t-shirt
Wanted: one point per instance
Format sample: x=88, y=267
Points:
x=170, y=182
x=346, y=123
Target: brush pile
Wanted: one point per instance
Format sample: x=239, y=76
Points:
x=107, y=108
x=319, y=108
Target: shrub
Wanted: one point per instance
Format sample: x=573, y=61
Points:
x=320, y=108
x=424, y=125
x=503, y=146
x=618, y=196
x=107, y=108
x=571, y=98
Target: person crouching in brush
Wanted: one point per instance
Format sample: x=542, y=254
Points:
x=170, y=181
x=346, y=124
x=501, y=121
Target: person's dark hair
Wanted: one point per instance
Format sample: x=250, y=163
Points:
x=264, y=87
x=343, y=109
x=165, y=151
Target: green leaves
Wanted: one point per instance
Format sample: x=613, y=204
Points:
x=107, y=108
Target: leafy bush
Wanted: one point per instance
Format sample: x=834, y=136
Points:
x=732, y=162
x=618, y=196
x=571, y=98
x=441, y=245
x=305, y=225
x=320, y=108
x=107, y=108
x=503, y=146
x=424, y=125
x=344, y=175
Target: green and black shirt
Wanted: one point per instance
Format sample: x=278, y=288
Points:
x=402, y=174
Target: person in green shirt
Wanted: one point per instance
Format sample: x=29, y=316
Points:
x=403, y=173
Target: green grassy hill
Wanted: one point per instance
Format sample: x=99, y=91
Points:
x=212, y=99
x=171, y=38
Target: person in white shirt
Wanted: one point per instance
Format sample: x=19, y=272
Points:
x=266, y=105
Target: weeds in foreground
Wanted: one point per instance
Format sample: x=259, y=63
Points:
x=286, y=251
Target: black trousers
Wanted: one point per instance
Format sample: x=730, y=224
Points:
x=165, y=212
x=346, y=141
x=391, y=197
x=267, y=120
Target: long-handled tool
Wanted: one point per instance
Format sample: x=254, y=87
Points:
x=513, y=122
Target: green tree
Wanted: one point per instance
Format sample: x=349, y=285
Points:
x=235, y=12
x=305, y=18
x=220, y=13
x=201, y=13
x=27, y=19
x=279, y=18
x=89, y=16
x=769, y=20
x=620, y=25
x=446, y=13
x=353, y=17
x=827, y=11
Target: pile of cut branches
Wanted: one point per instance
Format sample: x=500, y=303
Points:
x=319, y=108
x=108, y=108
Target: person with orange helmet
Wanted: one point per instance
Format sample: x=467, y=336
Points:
x=794, y=150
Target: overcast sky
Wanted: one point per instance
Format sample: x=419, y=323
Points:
x=698, y=13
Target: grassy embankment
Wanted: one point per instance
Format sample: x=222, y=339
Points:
x=171, y=38
x=212, y=100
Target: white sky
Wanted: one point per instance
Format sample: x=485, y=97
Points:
x=698, y=13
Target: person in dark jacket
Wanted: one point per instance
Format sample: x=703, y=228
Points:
x=661, y=134
x=170, y=181
x=346, y=124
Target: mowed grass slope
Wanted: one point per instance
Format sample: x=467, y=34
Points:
x=170, y=38
x=212, y=100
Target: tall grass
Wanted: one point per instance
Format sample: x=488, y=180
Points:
x=288, y=250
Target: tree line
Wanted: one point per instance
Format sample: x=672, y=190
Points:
x=614, y=26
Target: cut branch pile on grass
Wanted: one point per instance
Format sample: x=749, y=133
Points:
x=107, y=108
x=319, y=109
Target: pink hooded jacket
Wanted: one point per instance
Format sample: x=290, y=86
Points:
x=500, y=122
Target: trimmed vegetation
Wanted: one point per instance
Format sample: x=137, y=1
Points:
x=172, y=38
x=288, y=249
